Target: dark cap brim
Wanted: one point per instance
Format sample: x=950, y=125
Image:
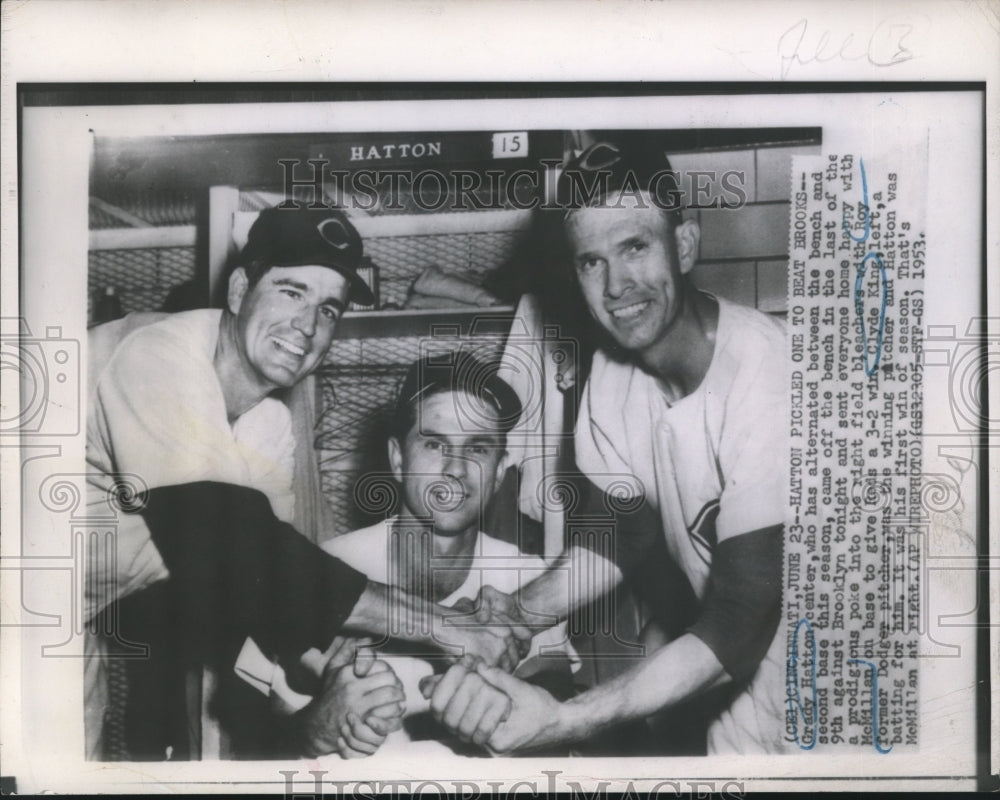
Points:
x=358, y=291
x=292, y=237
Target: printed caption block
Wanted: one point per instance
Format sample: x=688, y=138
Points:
x=852, y=551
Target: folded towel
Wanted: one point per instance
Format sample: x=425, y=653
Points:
x=435, y=282
x=433, y=301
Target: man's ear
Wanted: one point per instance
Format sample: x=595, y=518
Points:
x=687, y=236
x=395, y=458
x=238, y=285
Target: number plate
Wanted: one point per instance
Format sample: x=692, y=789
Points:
x=513, y=144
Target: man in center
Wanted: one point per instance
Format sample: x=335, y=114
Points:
x=447, y=451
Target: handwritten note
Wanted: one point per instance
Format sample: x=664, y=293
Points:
x=806, y=43
x=851, y=561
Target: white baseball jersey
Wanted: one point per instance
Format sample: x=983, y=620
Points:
x=714, y=464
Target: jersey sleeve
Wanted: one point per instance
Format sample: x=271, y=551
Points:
x=753, y=453
x=266, y=442
x=238, y=571
x=602, y=436
x=742, y=607
x=162, y=416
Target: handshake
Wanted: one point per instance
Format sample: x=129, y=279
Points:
x=362, y=701
x=494, y=630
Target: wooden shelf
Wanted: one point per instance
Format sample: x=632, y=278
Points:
x=425, y=322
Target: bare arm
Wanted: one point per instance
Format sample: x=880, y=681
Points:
x=683, y=668
x=575, y=578
x=737, y=622
x=385, y=610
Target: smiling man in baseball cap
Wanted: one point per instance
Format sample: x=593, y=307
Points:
x=295, y=277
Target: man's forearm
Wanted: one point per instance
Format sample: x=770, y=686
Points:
x=577, y=577
x=682, y=669
x=387, y=611
x=379, y=606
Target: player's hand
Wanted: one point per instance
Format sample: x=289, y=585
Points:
x=465, y=703
x=497, y=613
x=534, y=718
x=495, y=644
x=498, y=608
x=360, y=738
x=306, y=675
x=464, y=606
x=494, y=604
x=344, y=650
x=358, y=706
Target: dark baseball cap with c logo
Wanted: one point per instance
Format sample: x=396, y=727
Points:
x=299, y=237
x=606, y=169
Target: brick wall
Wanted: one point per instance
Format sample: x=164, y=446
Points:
x=744, y=251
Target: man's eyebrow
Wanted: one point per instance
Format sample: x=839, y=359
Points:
x=586, y=256
x=485, y=438
x=289, y=282
x=432, y=433
x=629, y=241
x=423, y=430
x=336, y=302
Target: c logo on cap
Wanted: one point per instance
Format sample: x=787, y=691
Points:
x=590, y=158
x=341, y=239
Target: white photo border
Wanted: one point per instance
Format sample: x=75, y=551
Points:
x=58, y=152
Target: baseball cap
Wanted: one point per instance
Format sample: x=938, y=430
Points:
x=298, y=237
x=608, y=168
x=458, y=371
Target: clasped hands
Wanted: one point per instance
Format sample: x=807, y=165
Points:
x=361, y=700
x=493, y=630
x=477, y=700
